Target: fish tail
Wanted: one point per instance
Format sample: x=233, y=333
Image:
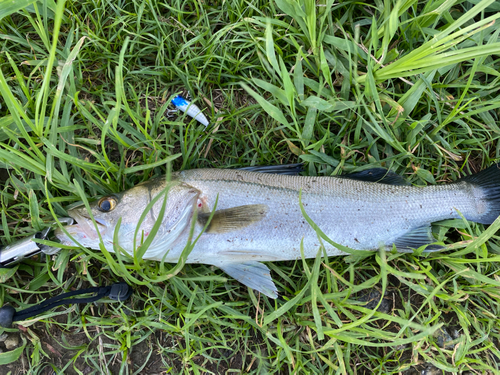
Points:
x=488, y=200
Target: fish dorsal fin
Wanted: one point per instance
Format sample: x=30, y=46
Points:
x=234, y=218
x=380, y=175
x=284, y=169
x=417, y=237
x=252, y=274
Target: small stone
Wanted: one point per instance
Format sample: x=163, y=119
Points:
x=373, y=297
x=455, y=333
x=3, y=336
x=443, y=338
x=11, y=342
x=430, y=369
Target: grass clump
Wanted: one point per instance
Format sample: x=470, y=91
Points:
x=411, y=86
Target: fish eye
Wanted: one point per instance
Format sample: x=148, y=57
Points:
x=106, y=204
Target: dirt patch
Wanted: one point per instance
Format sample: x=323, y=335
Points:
x=75, y=352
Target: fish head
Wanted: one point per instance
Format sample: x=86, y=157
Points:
x=135, y=211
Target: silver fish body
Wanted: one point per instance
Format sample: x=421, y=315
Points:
x=357, y=214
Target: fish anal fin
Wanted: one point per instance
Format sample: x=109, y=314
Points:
x=230, y=219
x=255, y=275
x=380, y=175
x=417, y=237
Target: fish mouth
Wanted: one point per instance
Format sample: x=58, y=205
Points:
x=85, y=226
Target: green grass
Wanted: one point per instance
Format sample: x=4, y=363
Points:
x=407, y=85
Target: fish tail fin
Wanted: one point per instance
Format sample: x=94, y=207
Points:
x=488, y=183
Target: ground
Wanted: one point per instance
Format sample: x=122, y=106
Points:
x=85, y=90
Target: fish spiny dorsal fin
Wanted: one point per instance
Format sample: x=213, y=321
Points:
x=417, y=237
x=284, y=169
x=380, y=175
x=234, y=218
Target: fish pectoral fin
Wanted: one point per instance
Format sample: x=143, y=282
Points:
x=255, y=275
x=417, y=237
x=230, y=219
x=379, y=175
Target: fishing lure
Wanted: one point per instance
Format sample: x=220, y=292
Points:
x=190, y=109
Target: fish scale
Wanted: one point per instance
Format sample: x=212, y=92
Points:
x=256, y=217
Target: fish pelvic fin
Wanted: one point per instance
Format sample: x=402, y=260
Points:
x=235, y=218
x=416, y=238
x=488, y=182
x=379, y=175
x=253, y=274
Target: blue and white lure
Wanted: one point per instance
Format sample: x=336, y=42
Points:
x=190, y=109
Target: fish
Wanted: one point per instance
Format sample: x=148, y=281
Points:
x=246, y=217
